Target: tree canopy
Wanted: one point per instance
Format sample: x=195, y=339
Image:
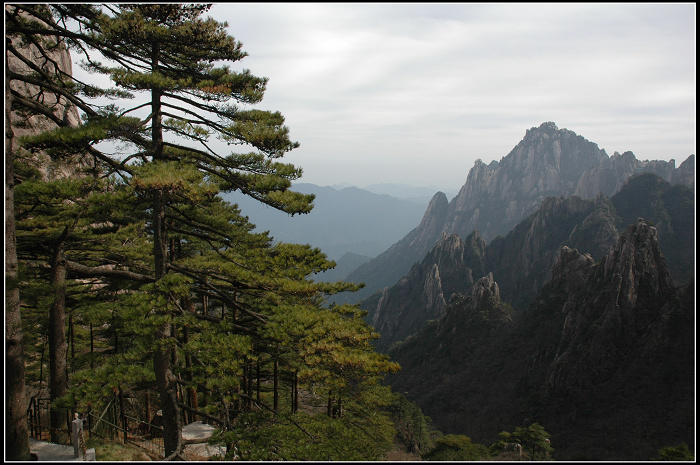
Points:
x=153, y=269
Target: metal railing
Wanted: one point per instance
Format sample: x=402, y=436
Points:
x=104, y=428
x=134, y=431
x=39, y=419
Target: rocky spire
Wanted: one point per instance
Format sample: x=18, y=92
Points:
x=547, y=162
x=387, y=268
x=484, y=291
x=609, y=306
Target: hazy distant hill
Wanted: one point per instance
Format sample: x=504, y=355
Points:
x=402, y=191
x=344, y=265
x=346, y=220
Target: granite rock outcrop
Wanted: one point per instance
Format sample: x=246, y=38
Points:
x=522, y=260
x=424, y=292
x=53, y=60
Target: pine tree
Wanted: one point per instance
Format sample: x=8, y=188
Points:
x=534, y=441
x=223, y=312
x=16, y=435
x=170, y=52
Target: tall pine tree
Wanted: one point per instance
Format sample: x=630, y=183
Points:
x=230, y=316
x=170, y=52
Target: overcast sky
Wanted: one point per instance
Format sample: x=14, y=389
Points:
x=415, y=93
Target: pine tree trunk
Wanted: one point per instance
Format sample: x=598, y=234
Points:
x=92, y=348
x=276, y=386
x=166, y=380
x=147, y=406
x=167, y=387
x=249, y=402
x=295, y=393
x=16, y=435
x=71, y=338
x=257, y=381
x=191, y=391
x=58, y=348
x=44, y=341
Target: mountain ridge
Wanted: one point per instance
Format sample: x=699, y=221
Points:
x=548, y=162
x=521, y=260
x=346, y=220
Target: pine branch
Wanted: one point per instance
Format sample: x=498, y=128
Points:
x=107, y=272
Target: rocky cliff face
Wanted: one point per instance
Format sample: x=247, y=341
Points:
x=609, y=176
x=603, y=358
x=548, y=162
x=26, y=124
x=685, y=174
x=521, y=261
x=636, y=284
x=423, y=293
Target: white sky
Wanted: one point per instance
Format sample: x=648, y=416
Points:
x=415, y=93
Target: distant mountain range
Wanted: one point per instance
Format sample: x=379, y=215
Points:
x=579, y=315
x=556, y=287
x=402, y=191
x=349, y=220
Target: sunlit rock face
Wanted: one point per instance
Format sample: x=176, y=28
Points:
x=424, y=292
x=56, y=60
x=548, y=161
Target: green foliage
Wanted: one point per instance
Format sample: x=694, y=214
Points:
x=454, y=447
x=679, y=453
x=305, y=436
x=533, y=439
x=413, y=428
x=160, y=264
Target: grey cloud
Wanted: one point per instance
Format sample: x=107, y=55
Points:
x=382, y=85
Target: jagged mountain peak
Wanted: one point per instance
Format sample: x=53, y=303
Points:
x=547, y=162
x=448, y=246
x=546, y=131
x=571, y=268
x=437, y=208
x=531, y=254
x=603, y=343
x=637, y=262
x=631, y=285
